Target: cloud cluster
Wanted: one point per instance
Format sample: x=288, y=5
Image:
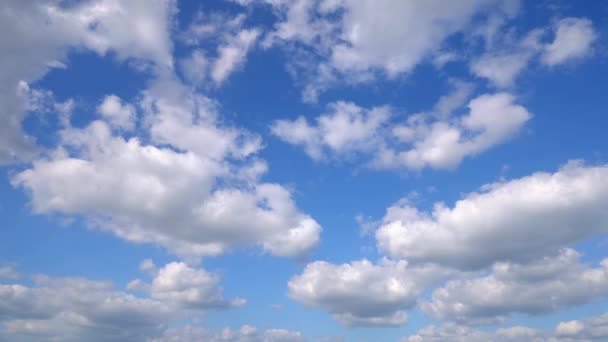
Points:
x=589, y=329
x=36, y=36
x=362, y=293
x=518, y=220
x=502, y=63
x=170, y=195
x=437, y=139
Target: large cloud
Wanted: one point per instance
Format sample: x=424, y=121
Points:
x=589, y=329
x=437, y=139
x=37, y=35
x=538, y=287
x=518, y=220
x=361, y=293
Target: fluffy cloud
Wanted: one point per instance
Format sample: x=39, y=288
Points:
x=457, y=333
x=246, y=333
x=361, y=293
x=182, y=286
x=502, y=63
x=36, y=36
x=589, y=329
x=171, y=195
x=573, y=39
x=518, y=220
x=233, y=41
x=347, y=128
x=435, y=139
x=76, y=309
x=117, y=113
x=536, y=287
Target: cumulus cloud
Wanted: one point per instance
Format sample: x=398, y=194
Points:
x=346, y=129
x=518, y=220
x=536, y=287
x=361, y=293
x=232, y=43
x=573, y=40
x=117, y=113
x=589, y=329
x=170, y=195
x=245, y=333
x=182, y=286
x=76, y=309
x=502, y=63
x=436, y=139
x=36, y=36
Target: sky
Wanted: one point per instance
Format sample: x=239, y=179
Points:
x=305, y=170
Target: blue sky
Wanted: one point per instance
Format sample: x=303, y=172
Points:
x=307, y=170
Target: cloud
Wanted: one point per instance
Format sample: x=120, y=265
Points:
x=76, y=309
x=245, y=333
x=512, y=221
x=346, y=129
x=361, y=293
x=435, y=139
x=589, y=329
x=354, y=41
x=36, y=36
x=182, y=286
x=193, y=188
x=573, y=40
x=117, y=113
x=229, y=38
x=536, y=287
x=7, y=272
x=502, y=63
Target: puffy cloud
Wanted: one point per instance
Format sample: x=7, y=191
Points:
x=589, y=329
x=361, y=293
x=170, y=195
x=36, y=36
x=232, y=42
x=246, y=333
x=502, y=63
x=178, y=284
x=535, y=287
x=347, y=128
x=457, y=333
x=573, y=39
x=518, y=220
x=117, y=113
x=76, y=309
x=233, y=53
x=434, y=139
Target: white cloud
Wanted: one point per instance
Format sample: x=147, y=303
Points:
x=36, y=36
x=76, y=309
x=355, y=40
x=435, y=139
x=536, y=287
x=232, y=54
x=505, y=60
x=589, y=329
x=457, y=333
x=517, y=220
x=245, y=333
x=573, y=40
x=346, y=129
x=178, y=284
x=170, y=195
x=117, y=113
x=230, y=39
x=361, y=293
